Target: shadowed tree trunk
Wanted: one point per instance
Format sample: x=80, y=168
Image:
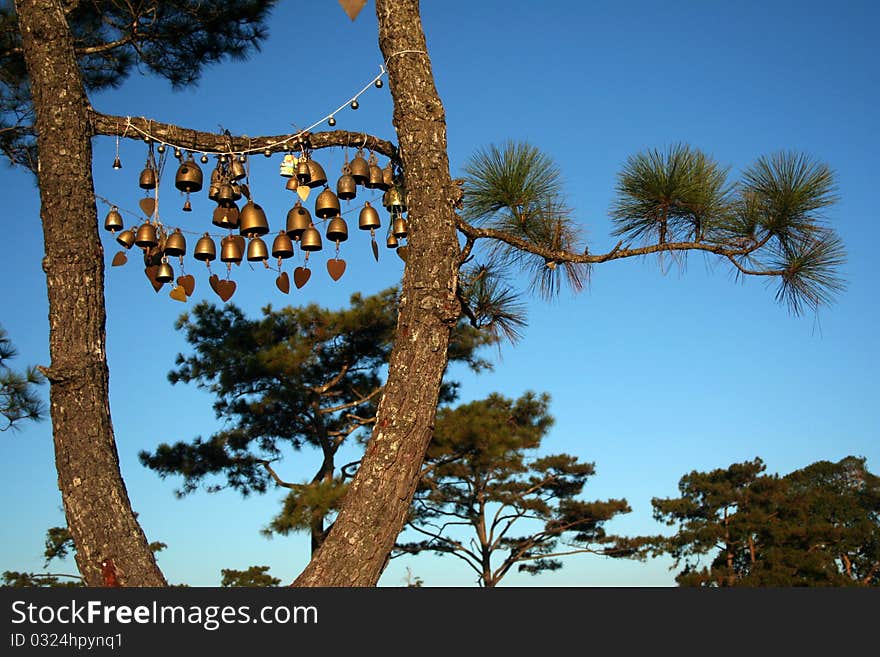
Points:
x=375, y=508
x=96, y=503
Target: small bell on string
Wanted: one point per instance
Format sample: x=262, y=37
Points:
x=126, y=238
x=317, y=177
x=147, y=178
x=310, y=240
x=113, y=221
x=399, y=227
x=252, y=220
x=337, y=230
x=236, y=169
x=303, y=173
x=187, y=206
x=230, y=250
x=375, y=179
x=146, y=236
x=298, y=219
x=175, y=245
x=226, y=215
x=257, y=250
x=346, y=188
x=292, y=184
x=327, y=204
x=360, y=169
x=368, y=218
x=189, y=176
x=282, y=247
x=165, y=274
x=117, y=163
x=205, y=249
x=391, y=242
x=388, y=175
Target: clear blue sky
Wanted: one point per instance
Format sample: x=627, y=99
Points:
x=651, y=375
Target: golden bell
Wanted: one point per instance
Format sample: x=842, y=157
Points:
x=317, y=175
x=225, y=193
x=205, y=249
x=391, y=242
x=388, y=175
x=298, y=219
x=337, y=230
x=230, y=250
x=126, y=238
x=226, y=215
x=257, y=250
x=165, y=273
x=327, y=204
x=303, y=172
x=310, y=240
x=346, y=188
x=146, y=236
x=376, y=180
x=360, y=170
x=187, y=206
x=368, y=218
x=189, y=176
x=113, y=221
x=252, y=220
x=236, y=169
x=148, y=178
x=399, y=227
x=393, y=200
x=175, y=245
x=292, y=183
x=236, y=191
x=282, y=247
x=214, y=192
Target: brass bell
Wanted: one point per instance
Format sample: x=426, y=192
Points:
x=236, y=169
x=303, y=172
x=310, y=240
x=189, y=176
x=126, y=238
x=282, y=247
x=146, y=236
x=368, y=218
x=214, y=192
x=175, y=245
x=257, y=250
x=346, y=188
x=113, y=221
x=391, y=242
x=388, y=175
x=252, y=220
x=360, y=170
x=187, y=206
x=292, y=183
x=376, y=180
x=393, y=200
x=148, y=178
x=399, y=227
x=327, y=204
x=225, y=193
x=230, y=249
x=236, y=191
x=337, y=230
x=298, y=219
x=317, y=175
x=165, y=274
x=205, y=249
x=226, y=215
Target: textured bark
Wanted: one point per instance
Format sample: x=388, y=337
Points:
x=96, y=503
x=375, y=508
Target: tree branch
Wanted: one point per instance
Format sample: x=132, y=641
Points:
x=211, y=142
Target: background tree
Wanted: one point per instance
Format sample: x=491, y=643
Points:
x=18, y=395
x=818, y=526
x=297, y=376
x=255, y=576
x=487, y=500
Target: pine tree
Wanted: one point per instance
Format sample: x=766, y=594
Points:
x=486, y=498
x=18, y=395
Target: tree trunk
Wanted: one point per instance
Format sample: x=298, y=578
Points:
x=375, y=508
x=96, y=503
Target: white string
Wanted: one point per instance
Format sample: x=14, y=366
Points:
x=403, y=52
x=292, y=138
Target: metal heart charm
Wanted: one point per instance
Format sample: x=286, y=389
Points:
x=301, y=276
x=336, y=268
x=283, y=282
x=119, y=259
x=148, y=205
x=178, y=293
x=188, y=283
x=151, y=272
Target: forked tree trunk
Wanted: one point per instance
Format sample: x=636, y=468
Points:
x=96, y=503
x=375, y=508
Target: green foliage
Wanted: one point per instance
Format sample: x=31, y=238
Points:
x=18, y=396
x=59, y=544
x=296, y=377
x=481, y=475
x=174, y=39
x=819, y=526
x=518, y=189
x=15, y=579
x=255, y=576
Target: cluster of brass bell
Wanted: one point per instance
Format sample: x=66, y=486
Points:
x=302, y=171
